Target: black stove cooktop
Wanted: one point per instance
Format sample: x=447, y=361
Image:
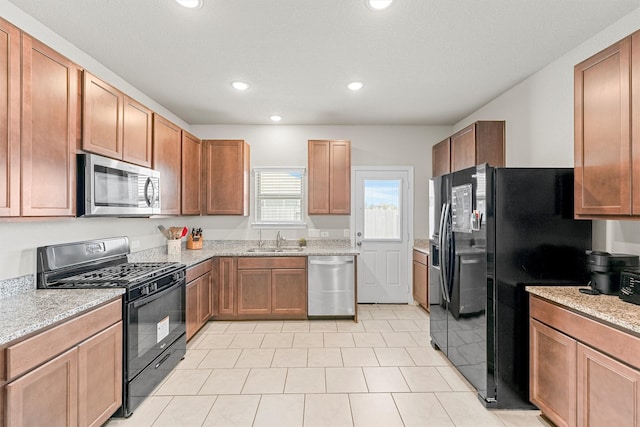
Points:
x=120, y=275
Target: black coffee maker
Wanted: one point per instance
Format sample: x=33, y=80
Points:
x=605, y=269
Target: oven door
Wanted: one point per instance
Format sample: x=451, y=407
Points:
x=154, y=322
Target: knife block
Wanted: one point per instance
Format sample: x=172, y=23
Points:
x=194, y=244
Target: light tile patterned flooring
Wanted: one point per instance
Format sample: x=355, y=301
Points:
x=381, y=371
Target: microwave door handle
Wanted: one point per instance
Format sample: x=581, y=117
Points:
x=148, y=199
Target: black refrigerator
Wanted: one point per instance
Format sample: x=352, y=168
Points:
x=493, y=232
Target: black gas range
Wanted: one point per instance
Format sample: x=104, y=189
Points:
x=153, y=305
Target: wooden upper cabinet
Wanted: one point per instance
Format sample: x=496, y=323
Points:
x=115, y=125
x=49, y=115
x=137, y=125
x=635, y=119
x=441, y=158
x=167, y=159
x=329, y=181
x=226, y=177
x=9, y=120
x=191, y=174
x=480, y=142
x=603, y=132
x=102, y=106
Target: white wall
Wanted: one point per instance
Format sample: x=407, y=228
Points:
x=539, y=116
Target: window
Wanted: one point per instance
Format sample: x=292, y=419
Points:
x=279, y=196
x=382, y=209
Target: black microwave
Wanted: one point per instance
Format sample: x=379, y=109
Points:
x=109, y=187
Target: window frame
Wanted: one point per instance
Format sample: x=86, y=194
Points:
x=257, y=223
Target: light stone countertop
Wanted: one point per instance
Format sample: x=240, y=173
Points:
x=608, y=308
x=421, y=245
x=232, y=248
x=30, y=311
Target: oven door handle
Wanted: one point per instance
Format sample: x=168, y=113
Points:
x=153, y=297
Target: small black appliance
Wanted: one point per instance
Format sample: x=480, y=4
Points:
x=605, y=269
x=630, y=286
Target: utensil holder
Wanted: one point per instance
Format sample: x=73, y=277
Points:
x=194, y=244
x=173, y=246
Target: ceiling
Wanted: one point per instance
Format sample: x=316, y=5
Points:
x=423, y=62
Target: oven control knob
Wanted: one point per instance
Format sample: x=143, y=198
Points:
x=145, y=290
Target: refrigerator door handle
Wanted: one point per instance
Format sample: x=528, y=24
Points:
x=441, y=252
x=444, y=248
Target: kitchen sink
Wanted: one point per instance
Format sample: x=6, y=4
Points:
x=284, y=249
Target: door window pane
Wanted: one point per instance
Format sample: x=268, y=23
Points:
x=382, y=209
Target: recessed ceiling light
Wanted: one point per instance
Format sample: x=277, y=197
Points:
x=275, y=118
x=191, y=4
x=240, y=85
x=355, y=85
x=378, y=4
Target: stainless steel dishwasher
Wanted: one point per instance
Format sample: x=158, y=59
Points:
x=331, y=286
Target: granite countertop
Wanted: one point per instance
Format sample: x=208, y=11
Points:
x=33, y=309
x=608, y=308
x=213, y=249
x=30, y=311
x=421, y=245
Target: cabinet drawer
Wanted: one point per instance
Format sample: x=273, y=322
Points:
x=420, y=257
x=245, y=263
x=198, y=270
x=28, y=354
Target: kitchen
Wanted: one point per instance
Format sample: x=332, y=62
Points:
x=538, y=112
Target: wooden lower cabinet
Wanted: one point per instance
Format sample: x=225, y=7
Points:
x=199, y=292
x=46, y=396
x=80, y=387
x=552, y=383
x=289, y=291
x=226, y=274
x=582, y=372
x=262, y=287
x=421, y=278
x=254, y=292
x=608, y=391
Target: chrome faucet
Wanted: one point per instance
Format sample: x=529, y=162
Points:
x=260, y=242
x=279, y=240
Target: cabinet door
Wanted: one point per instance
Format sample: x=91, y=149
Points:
x=602, y=132
x=9, y=120
x=191, y=174
x=254, y=292
x=635, y=119
x=340, y=178
x=49, y=114
x=100, y=376
x=204, y=299
x=420, y=285
x=227, y=177
x=318, y=182
x=227, y=285
x=552, y=373
x=167, y=158
x=137, y=125
x=463, y=148
x=289, y=291
x=46, y=396
x=192, y=308
x=102, y=106
x=441, y=158
x=608, y=391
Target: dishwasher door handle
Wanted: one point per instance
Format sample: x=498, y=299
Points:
x=331, y=262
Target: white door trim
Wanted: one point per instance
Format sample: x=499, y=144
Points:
x=410, y=194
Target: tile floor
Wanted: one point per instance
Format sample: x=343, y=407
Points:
x=381, y=371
